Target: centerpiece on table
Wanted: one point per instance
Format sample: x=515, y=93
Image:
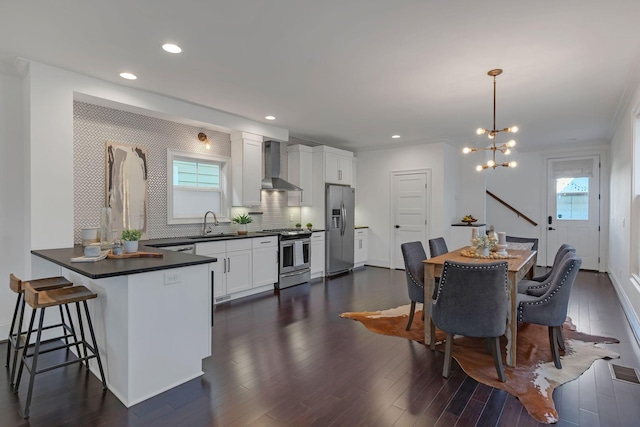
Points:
x=242, y=220
x=130, y=239
x=484, y=244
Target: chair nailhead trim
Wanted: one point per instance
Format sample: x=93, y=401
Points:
x=538, y=302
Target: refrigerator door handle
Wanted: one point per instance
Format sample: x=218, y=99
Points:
x=343, y=214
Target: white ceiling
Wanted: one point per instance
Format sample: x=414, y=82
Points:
x=351, y=73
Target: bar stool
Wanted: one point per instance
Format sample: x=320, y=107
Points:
x=14, y=341
x=51, y=298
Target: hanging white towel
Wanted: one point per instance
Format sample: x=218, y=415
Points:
x=298, y=256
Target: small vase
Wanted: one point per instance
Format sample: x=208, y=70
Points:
x=243, y=229
x=483, y=251
x=130, y=246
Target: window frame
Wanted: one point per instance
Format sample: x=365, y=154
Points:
x=225, y=185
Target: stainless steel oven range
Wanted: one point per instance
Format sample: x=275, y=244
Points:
x=295, y=256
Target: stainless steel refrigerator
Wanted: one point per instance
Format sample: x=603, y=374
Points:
x=340, y=228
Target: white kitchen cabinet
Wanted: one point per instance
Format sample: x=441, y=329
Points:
x=317, y=254
x=354, y=174
x=360, y=249
x=300, y=164
x=239, y=265
x=265, y=260
x=338, y=167
x=246, y=169
x=233, y=272
x=330, y=166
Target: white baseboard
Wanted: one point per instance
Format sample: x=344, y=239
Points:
x=378, y=262
x=632, y=316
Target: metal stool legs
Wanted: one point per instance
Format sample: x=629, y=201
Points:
x=82, y=347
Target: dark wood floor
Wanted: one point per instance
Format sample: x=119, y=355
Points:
x=290, y=360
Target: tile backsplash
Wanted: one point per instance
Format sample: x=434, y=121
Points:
x=94, y=125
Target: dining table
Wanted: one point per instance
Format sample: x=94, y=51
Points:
x=521, y=263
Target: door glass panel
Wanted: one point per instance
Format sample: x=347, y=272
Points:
x=572, y=196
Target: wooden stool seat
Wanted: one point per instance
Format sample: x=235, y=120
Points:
x=53, y=297
x=16, y=285
x=40, y=301
x=16, y=340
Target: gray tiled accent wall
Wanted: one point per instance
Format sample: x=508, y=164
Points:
x=94, y=125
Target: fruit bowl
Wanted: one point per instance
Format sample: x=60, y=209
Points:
x=469, y=221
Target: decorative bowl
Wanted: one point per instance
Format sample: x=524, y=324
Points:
x=469, y=222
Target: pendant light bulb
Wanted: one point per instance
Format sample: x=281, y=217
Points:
x=207, y=145
x=480, y=131
x=466, y=150
x=479, y=168
x=513, y=164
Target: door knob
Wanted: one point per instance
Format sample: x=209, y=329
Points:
x=551, y=228
x=397, y=226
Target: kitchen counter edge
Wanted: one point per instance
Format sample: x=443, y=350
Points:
x=120, y=267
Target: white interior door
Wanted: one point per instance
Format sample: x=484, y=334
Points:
x=574, y=208
x=409, y=196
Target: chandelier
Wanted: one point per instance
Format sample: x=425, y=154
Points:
x=504, y=148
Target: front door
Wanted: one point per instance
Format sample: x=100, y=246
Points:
x=409, y=195
x=574, y=208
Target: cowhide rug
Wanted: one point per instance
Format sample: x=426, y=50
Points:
x=534, y=378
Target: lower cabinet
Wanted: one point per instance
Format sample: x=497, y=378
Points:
x=239, y=277
x=317, y=254
x=360, y=249
x=265, y=260
x=245, y=266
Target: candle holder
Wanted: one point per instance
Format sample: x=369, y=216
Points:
x=501, y=249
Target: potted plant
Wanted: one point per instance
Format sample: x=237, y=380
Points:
x=309, y=226
x=298, y=225
x=483, y=244
x=243, y=220
x=130, y=238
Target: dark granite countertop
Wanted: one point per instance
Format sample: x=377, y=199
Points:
x=180, y=241
x=120, y=267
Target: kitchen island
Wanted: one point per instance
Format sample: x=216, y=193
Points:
x=152, y=317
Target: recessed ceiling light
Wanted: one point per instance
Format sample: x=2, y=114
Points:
x=128, y=76
x=171, y=48
x=270, y=117
x=395, y=136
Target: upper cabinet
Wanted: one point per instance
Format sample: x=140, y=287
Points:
x=246, y=168
x=338, y=165
x=300, y=164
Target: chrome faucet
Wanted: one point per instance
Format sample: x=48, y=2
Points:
x=215, y=222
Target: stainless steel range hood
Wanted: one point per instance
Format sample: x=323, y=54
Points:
x=272, y=180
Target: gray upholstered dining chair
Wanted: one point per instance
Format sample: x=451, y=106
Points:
x=550, y=308
x=413, y=254
x=472, y=301
x=437, y=246
x=514, y=239
x=537, y=285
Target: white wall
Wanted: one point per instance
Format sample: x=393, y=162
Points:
x=374, y=192
x=471, y=188
x=521, y=187
x=620, y=192
x=12, y=224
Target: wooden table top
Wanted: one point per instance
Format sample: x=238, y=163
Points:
x=515, y=264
